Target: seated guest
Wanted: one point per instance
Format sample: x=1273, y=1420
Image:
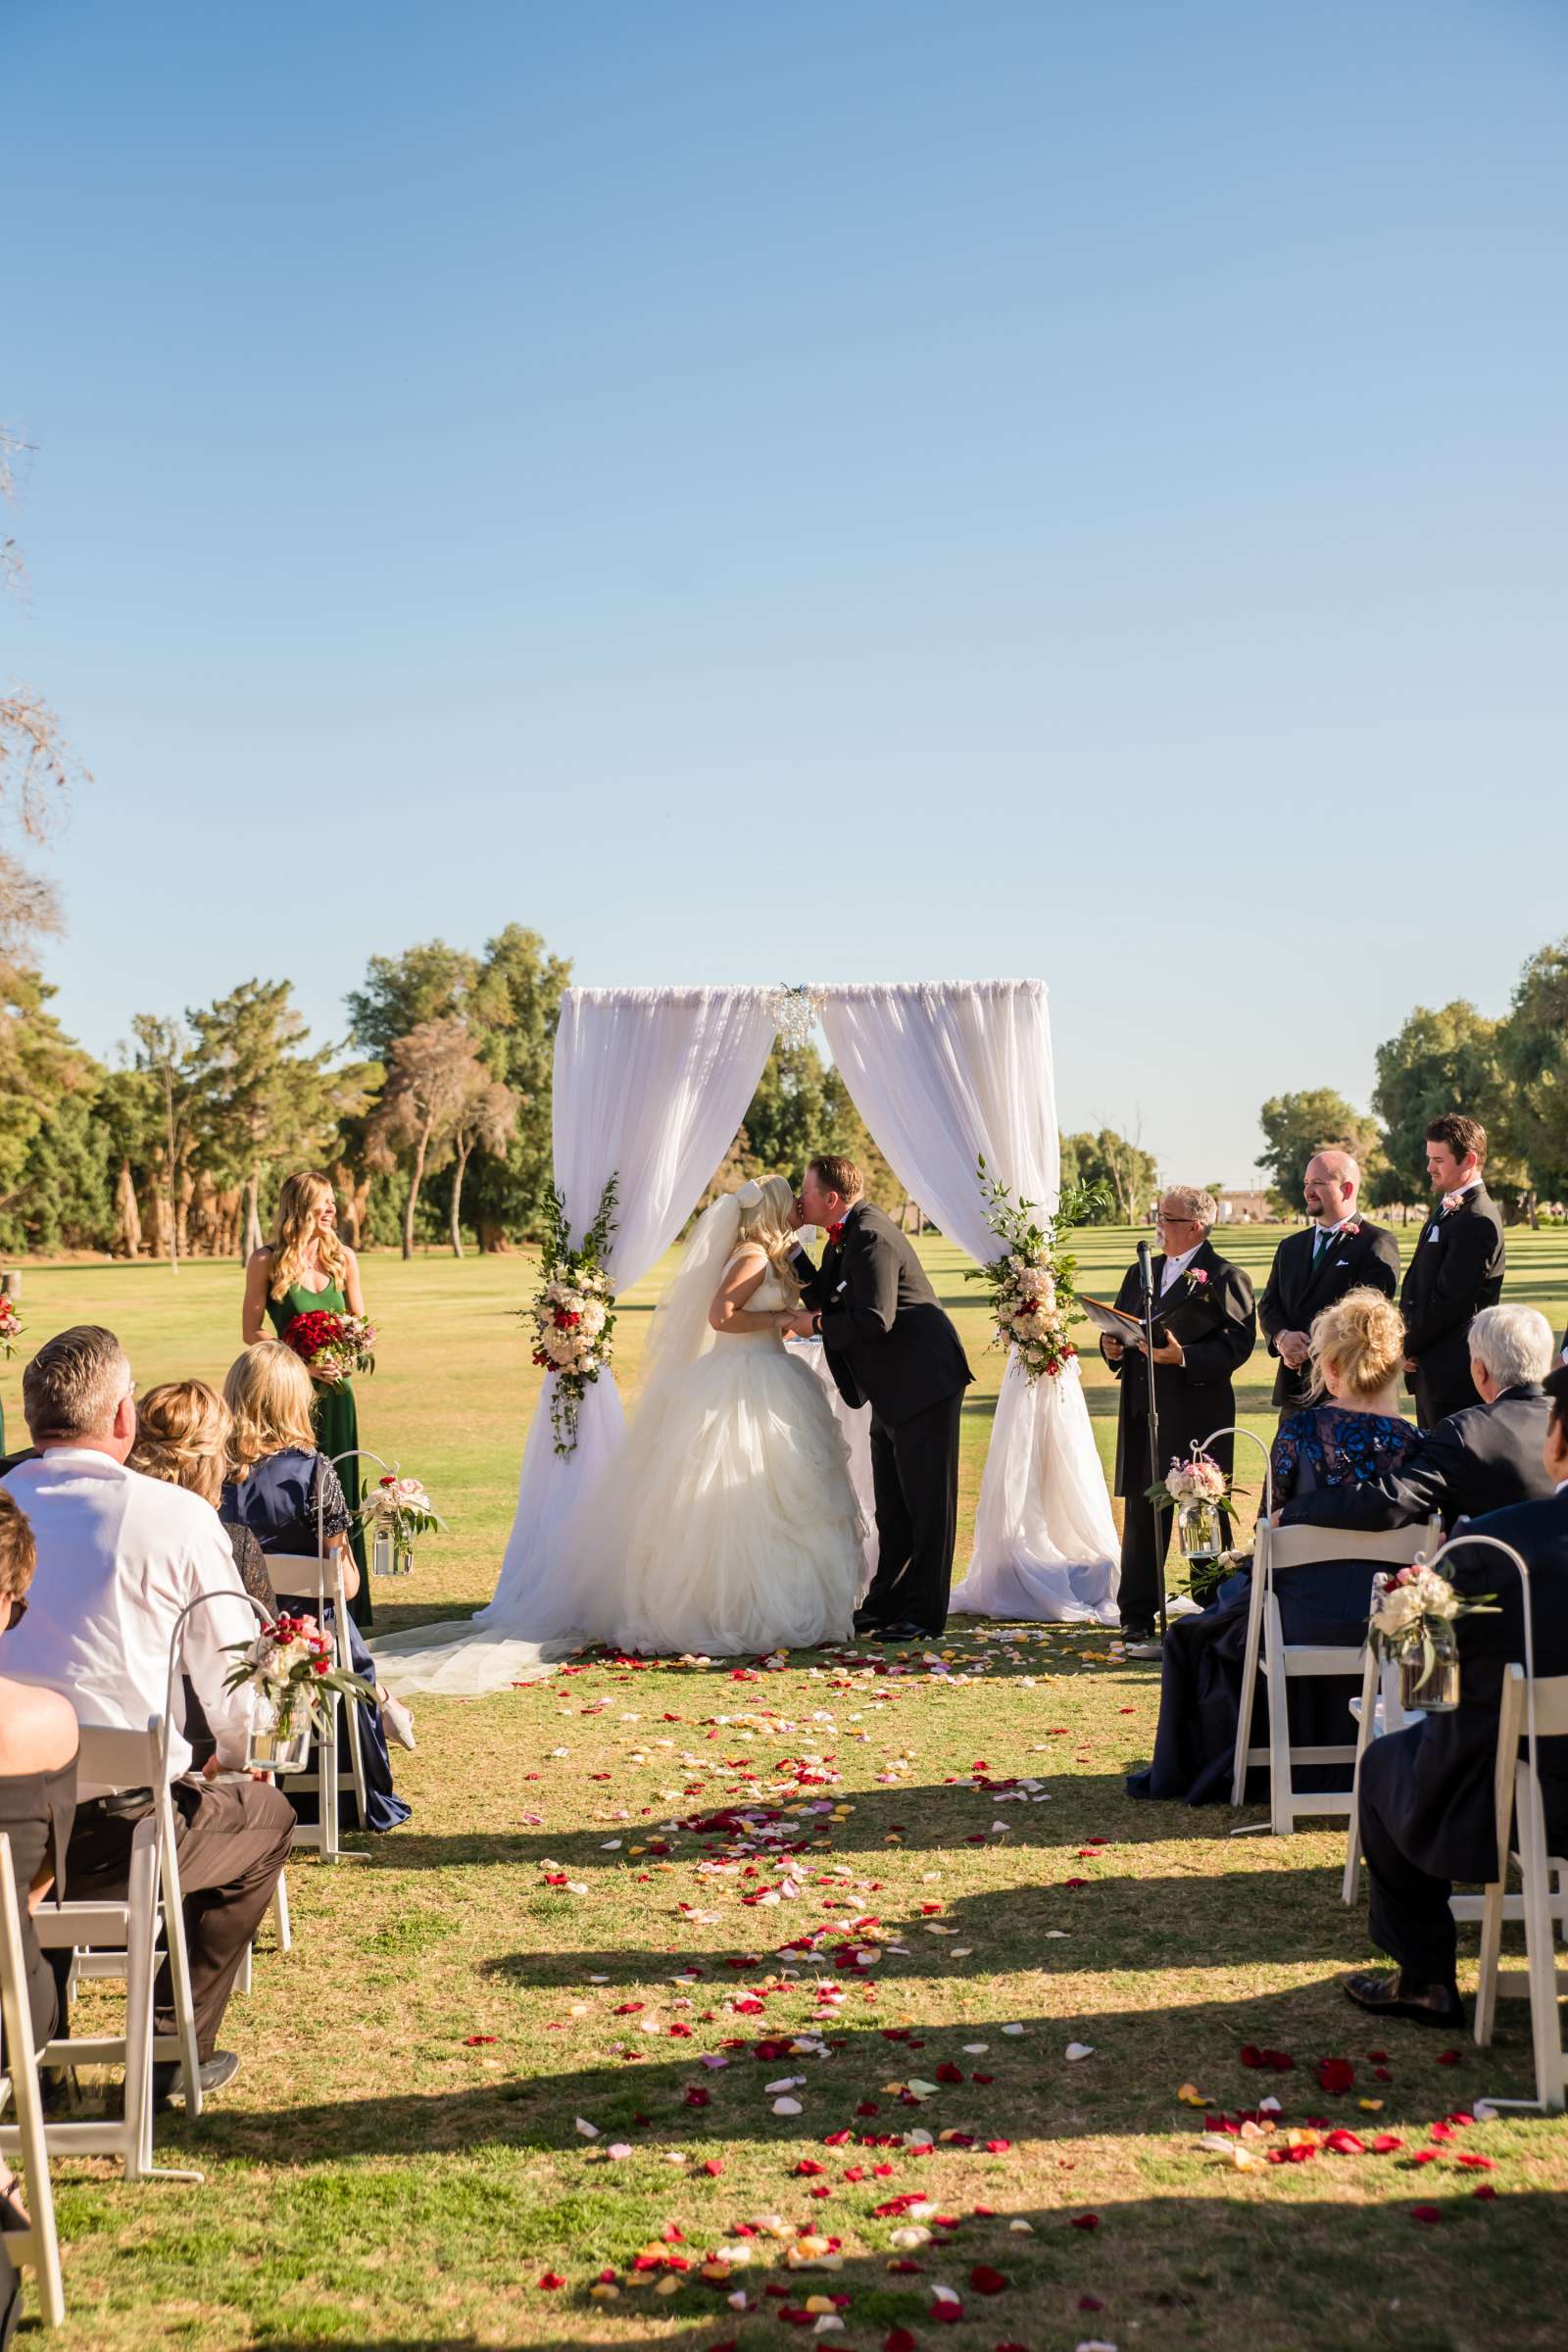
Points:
x=182, y=1433
x=121, y=1557
x=1339, y=1252
x=1204, y=1305
x=280, y=1489
x=1477, y=1460
x=1357, y=1354
x=38, y=1776
x=1428, y=1812
x=37, y=1798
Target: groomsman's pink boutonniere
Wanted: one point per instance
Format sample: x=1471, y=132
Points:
x=1353, y=1229
x=1195, y=1274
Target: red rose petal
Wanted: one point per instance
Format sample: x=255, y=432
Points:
x=1086, y=2221
x=1427, y=2214
x=987, y=2282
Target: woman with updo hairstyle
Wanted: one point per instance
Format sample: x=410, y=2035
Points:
x=308, y=1267
x=182, y=1437
x=1351, y=1430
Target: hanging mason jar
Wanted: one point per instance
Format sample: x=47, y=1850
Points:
x=391, y=1551
x=1429, y=1670
x=285, y=1743
x=1201, y=1533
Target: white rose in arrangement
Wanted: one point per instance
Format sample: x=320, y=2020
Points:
x=1401, y=1609
x=592, y=1315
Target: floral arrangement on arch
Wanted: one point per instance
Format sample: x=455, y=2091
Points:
x=12, y=1326
x=1033, y=1302
x=333, y=1346
x=573, y=1312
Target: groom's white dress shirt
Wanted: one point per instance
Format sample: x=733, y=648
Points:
x=120, y=1555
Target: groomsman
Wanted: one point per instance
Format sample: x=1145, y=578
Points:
x=1210, y=1301
x=1338, y=1252
x=1456, y=1270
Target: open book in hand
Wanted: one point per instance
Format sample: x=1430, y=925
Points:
x=1115, y=1325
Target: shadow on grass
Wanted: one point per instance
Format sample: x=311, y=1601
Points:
x=933, y=1818
x=1162, y=2269
x=1142, y=2054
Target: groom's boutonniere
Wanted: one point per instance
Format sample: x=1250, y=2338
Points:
x=835, y=1233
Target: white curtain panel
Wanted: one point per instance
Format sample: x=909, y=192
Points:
x=649, y=1085
x=942, y=1072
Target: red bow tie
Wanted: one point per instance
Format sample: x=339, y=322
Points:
x=835, y=1233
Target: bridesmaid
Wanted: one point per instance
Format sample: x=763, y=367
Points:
x=305, y=1265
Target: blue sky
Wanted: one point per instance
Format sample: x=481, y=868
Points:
x=868, y=492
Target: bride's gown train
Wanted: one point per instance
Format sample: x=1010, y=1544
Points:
x=728, y=1523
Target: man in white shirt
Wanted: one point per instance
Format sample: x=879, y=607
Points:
x=120, y=1555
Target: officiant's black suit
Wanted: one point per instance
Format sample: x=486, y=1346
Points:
x=1303, y=1281
x=1218, y=1331
x=1456, y=1271
x=890, y=1346
x=1425, y=1794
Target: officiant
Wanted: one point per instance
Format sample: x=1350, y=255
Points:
x=1205, y=1329
x=1313, y=1268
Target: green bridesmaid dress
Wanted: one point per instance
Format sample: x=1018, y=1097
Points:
x=337, y=1421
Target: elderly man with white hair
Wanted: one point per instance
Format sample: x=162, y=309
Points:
x=1481, y=1460
x=1339, y=1250
x=1204, y=1331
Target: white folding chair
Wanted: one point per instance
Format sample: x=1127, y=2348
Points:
x=317, y=1579
x=1283, y=1662
x=118, y=1937
x=1542, y=1901
x=38, y=2245
x=1378, y=1711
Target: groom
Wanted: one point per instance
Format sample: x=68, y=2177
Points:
x=890, y=1346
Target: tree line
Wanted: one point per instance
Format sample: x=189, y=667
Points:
x=1511, y=1073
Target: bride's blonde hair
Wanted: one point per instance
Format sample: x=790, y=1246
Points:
x=765, y=1206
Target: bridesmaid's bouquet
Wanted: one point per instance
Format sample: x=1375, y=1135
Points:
x=10, y=1325
x=332, y=1346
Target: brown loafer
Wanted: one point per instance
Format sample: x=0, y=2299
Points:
x=1384, y=1996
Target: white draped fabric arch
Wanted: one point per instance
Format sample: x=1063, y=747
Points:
x=650, y=1086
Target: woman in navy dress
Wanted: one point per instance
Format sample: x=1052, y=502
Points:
x=282, y=1491
x=1352, y=1431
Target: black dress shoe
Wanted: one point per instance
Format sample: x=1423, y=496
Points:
x=169, y=2083
x=905, y=1631
x=869, y=1621
x=1383, y=1995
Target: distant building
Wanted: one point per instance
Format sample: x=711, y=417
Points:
x=1245, y=1208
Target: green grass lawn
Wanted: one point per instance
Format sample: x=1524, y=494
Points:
x=400, y=2162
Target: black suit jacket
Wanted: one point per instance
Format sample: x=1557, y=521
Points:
x=888, y=1342
x=1367, y=1259
x=1456, y=1271
x=1433, y=1784
x=1482, y=1459
x=1215, y=1323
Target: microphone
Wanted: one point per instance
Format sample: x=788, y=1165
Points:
x=1146, y=1269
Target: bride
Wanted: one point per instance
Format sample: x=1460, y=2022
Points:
x=726, y=1521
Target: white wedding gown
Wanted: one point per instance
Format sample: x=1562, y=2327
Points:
x=726, y=1524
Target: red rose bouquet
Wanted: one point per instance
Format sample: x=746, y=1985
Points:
x=10, y=1325
x=332, y=1346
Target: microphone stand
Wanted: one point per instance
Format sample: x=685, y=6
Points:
x=1153, y=1433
